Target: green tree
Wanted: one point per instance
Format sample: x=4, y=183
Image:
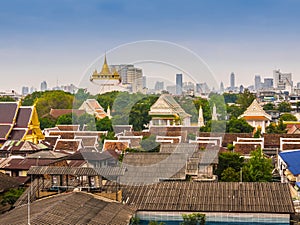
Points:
x=284, y=107
x=6, y=99
x=230, y=98
x=66, y=119
x=218, y=100
x=238, y=126
x=47, y=122
x=107, y=99
x=31, y=98
x=205, y=108
x=234, y=111
x=53, y=100
x=229, y=159
x=11, y=196
x=274, y=128
x=104, y=124
x=193, y=219
x=139, y=116
x=257, y=168
x=88, y=120
x=269, y=106
x=80, y=96
x=245, y=99
x=216, y=126
x=230, y=175
x=288, y=117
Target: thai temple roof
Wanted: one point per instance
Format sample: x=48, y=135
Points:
x=255, y=111
x=166, y=105
x=105, y=68
x=105, y=73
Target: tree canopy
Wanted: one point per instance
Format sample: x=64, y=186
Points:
x=288, y=117
x=257, y=168
x=245, y=99
x=284, y=107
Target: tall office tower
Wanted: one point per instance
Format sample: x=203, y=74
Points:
x=268, y=83
x=25, y=91
x=232, y=81
x=130, y=75
x=144, y=82
x=179, y=84
x=257, y=82
x=221, y=87
x=44, y=86
x=282, y=81
x=159, y=86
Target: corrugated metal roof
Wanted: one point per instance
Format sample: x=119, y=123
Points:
x=253, y=197
x=292, y=159
x=78, y=171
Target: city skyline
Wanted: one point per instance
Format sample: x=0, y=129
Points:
x=59, y=40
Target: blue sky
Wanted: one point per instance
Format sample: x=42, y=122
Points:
x=57, y=40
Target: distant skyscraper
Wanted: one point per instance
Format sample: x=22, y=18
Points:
x=257, y=82
x=221, y=87
x=232, y=81
x=282, y=80
x=25, y=91
x=130, y=75
x=178, y=84
x=268, y=83
x=44, y=86
x=159, y=86
x=144, y=82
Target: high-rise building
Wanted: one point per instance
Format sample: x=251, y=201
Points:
x=282, y=81
x=232, y=81
x=179, y=84
x=144, y=82
x=159, y=86
x=202, y=88
x=25, y=91
x=44, y=86
x=257, y=82
x=130, y=75
x=221, y=87
x=268, y=83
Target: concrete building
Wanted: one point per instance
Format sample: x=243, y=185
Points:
x=268, y=83
x=130, y=76
x=282, y=81
x=159, y=86
x=257, y=82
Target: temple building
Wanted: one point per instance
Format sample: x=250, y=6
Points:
x=166, y=111
x=92, y=107
x=107, y=80
x=256, y=116
x=19, y=123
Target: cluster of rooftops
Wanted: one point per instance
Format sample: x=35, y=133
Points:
x=69, y=159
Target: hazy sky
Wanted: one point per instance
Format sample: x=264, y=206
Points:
x=56, y=40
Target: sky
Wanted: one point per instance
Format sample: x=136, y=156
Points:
x=57, y=40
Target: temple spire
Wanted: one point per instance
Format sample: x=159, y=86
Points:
x=214, y=115
x=200, y=117
x=105, y=68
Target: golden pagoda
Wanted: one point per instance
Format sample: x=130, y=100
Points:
x=105, y=73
